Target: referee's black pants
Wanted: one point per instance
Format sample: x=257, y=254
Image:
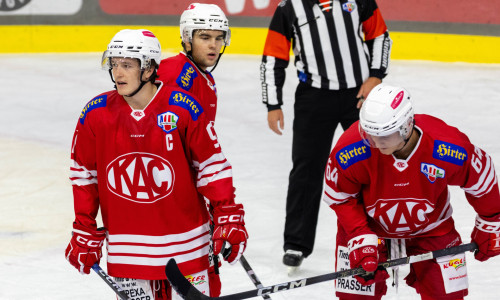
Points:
x=317, y=112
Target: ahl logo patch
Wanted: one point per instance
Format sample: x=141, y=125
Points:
x=187, y=102
x=449, y=152
x=353, y=153
x=97, y=102
x=187, y=76
x=431, y=171
x=349, y=6
x=168, y=121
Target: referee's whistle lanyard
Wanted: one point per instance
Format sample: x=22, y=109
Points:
x=324, y=6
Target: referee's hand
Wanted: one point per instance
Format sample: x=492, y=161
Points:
x=276, y=121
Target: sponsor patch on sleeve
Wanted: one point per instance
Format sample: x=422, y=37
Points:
x=168, y=121
x=449, y=152
x=186, y=77
x=353, y=153
x=187, y=102
x=97, y=102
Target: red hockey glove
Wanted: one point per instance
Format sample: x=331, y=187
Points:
x=486, y=235
x=84, y=249
x=230, y=228
x=363, y=253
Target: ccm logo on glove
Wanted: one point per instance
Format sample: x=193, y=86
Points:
x=230, y=219
x=89, y=243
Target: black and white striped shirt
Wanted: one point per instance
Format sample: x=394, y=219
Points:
x=338, y=48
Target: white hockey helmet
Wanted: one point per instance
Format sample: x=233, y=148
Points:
x=386, y=110
x=133, y=43
x=203, y=16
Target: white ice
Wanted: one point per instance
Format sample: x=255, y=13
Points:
x=41, y=97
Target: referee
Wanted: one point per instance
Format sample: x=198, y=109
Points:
x=342, y=51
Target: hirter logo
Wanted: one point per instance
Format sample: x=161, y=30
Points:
x=140, y=177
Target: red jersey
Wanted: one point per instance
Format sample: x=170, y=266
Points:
x=181, y=71
x=148, y=171
x=398, y=198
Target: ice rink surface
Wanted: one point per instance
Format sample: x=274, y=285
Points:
x=42, y=96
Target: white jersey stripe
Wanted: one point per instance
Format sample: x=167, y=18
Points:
x=158, y=240
x=228, y=173
x=157, y=261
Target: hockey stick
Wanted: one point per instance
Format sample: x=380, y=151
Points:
x=114, y=286
x=252, y=275
x=189, y=292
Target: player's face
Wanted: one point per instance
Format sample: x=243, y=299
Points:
x=387, y=144
x=206, y=47
x=126, y=73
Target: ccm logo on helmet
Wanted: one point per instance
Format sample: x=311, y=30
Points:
x=92, y=244
x=230, y=219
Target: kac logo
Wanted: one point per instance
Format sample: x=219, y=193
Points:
x=140, y=177
x=432, y=172
x=401, y=216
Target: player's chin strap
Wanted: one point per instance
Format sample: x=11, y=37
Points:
x=218, y=58
x=138, y=89
x=190, y=56
x=406, y=142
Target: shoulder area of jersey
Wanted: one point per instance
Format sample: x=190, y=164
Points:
x=178, y=97
x=173, y=60
x=436, y=128
x=351, y=148
x=448, y=143
x=96, y=102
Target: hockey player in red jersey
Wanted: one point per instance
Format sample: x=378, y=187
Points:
x=204, y=32
x=145, y=155
x=387, y=180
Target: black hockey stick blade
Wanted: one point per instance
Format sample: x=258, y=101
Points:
x=112, y=284
x=189, y=292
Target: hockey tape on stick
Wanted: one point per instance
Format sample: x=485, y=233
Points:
x=189, y=292
x=109, y=280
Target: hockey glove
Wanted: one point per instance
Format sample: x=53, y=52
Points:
x=84, y=249
x=230, y=227
x=363, y=253
x=486, y=235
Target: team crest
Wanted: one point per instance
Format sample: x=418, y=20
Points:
x=349, y=7
x=168, y=121
x=432, y=172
